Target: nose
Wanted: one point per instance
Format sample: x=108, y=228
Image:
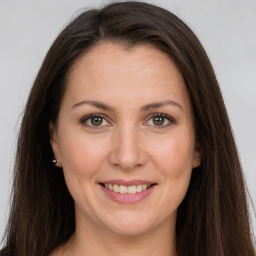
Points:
x=127, y=152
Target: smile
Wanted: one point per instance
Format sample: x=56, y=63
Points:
x=127, y=189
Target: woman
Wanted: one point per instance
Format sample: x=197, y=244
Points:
x=125, y=146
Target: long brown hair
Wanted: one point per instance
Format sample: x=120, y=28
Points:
x=212, y=219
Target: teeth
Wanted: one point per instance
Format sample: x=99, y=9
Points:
x=123, y=189
x=132, y=189
x=116, y=188
x=139, y=188
x=127, y=189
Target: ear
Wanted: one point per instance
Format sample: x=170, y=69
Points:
x=197, y=155
x=55, y=143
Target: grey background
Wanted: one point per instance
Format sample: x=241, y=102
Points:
x=226, y=28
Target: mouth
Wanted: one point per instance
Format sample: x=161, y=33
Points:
x=123, y=189
x=127, y=191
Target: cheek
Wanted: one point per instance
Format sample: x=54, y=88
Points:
x=173, y=159
x=81, y=159
x=174, y=155
x=81, y=156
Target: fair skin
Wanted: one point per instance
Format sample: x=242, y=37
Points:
x=132, y=141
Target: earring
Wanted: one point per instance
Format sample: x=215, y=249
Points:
x=56, y=163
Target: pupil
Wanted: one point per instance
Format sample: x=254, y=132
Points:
x=97, y=121
x=158, y=120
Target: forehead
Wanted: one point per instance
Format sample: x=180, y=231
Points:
x=112, y=70
x=107, y=57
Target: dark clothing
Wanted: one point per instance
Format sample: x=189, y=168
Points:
x=4, y=252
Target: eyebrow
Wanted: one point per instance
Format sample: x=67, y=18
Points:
x=161, y=104
x=147, y=107
x=96, y=104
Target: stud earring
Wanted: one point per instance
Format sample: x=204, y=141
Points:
x=54, y=160
x=56, y=163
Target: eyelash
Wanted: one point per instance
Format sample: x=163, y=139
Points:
x=160, y=115
x=86, y=118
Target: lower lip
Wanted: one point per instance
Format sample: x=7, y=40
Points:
x=128, y=198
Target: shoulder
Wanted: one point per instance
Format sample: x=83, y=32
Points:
x=4, y=252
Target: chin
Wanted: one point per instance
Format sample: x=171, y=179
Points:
x=130, y=224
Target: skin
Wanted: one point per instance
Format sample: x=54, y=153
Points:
x=128, y=145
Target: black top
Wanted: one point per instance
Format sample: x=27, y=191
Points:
x=4, y=252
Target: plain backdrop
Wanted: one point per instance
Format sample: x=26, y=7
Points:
x=227, y=29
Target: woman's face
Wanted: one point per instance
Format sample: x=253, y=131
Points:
x=125, y=139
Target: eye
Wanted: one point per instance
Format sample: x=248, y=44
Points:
x=160, y=120
x=95, y=121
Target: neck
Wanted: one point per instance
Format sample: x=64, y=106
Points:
x=95, y=241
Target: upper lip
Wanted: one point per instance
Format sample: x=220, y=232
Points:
x=127, y=182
